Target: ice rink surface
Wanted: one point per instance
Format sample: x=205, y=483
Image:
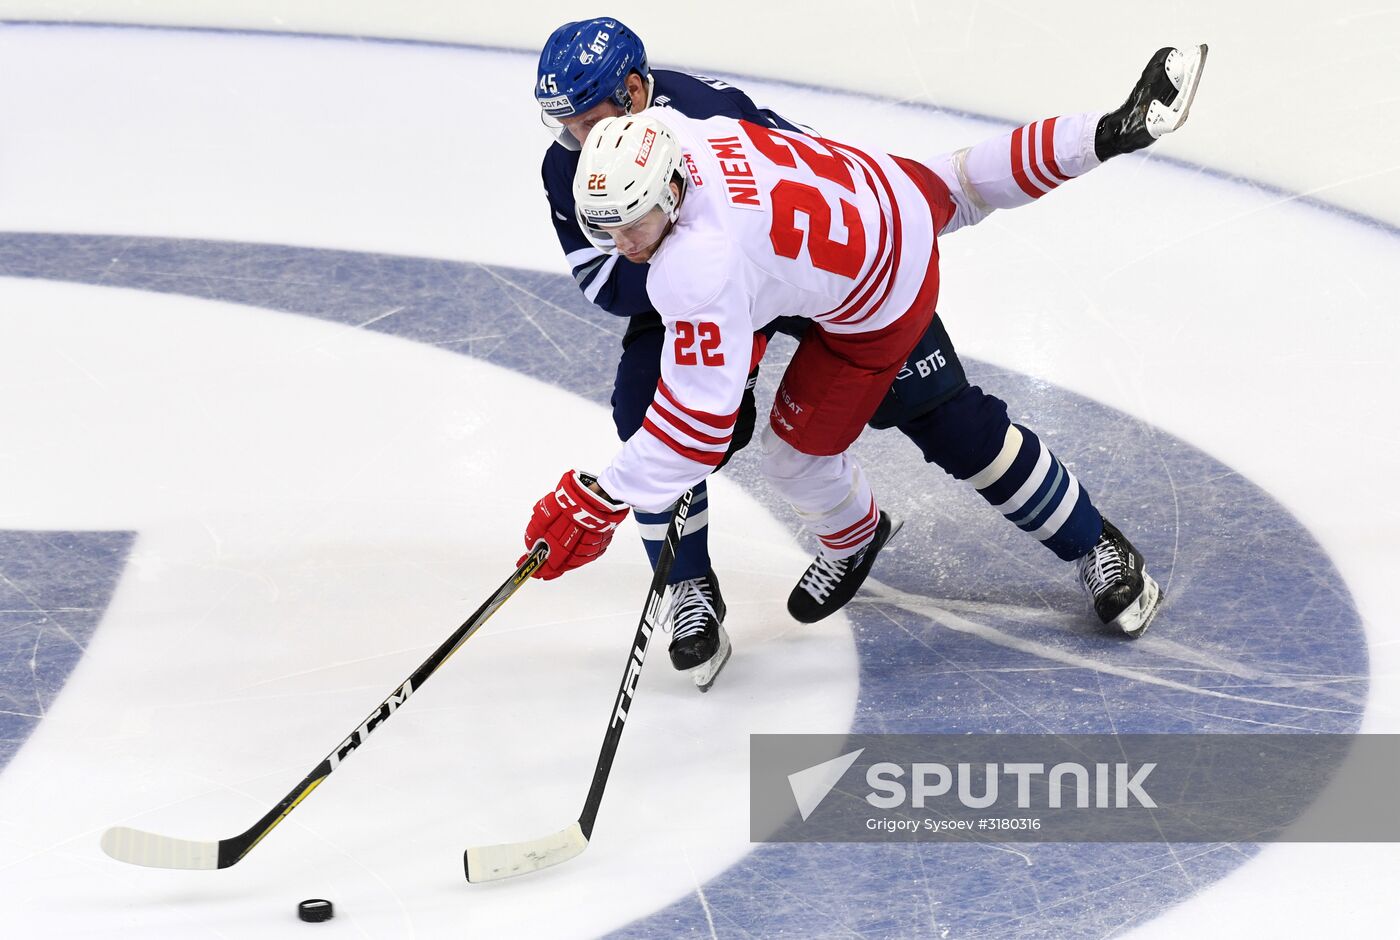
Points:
x=289, y=351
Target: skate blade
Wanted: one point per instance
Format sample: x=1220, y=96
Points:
x=705, y=674
x=1135, y=620
x=895, y=526
x=1163, y=119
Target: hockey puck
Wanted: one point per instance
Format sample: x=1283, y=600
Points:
x=315, y=910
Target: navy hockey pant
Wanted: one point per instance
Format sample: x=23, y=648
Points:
x=966, y=432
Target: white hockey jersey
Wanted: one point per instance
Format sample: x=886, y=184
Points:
x=772, y=224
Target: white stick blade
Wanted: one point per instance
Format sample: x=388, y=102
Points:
x=136, y=847
x=494, y=862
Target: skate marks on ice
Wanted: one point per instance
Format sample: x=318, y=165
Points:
x=310, y=496
x=1154, y=659
x=970, y=626
x=54, y=587
x=1254, y=607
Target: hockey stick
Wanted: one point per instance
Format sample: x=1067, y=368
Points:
x=156, y=851
x=493, y=862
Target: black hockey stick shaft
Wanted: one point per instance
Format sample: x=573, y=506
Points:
x=232, y=850
x=636, y=657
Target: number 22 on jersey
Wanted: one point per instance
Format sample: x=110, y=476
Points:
x=698, y=343
x=791, y=196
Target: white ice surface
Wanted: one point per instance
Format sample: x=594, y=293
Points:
x=1280, y=314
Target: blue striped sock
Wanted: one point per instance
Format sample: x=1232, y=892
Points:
x=693, y=557
x=1027, y=484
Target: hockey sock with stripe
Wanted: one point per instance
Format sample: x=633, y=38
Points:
x=693, y=556
x=1029, y=485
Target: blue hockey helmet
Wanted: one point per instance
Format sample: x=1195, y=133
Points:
x=586, y=63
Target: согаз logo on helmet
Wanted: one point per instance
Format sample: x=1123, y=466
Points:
x=602, y=216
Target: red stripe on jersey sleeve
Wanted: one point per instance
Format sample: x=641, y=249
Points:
x=720, y=423
x=689, y=430
x=708, y=458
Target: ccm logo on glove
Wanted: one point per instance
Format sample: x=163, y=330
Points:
x=575, y=522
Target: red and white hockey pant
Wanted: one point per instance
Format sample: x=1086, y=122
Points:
x=830, y=390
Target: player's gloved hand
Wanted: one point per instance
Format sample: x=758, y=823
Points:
x=577, y=523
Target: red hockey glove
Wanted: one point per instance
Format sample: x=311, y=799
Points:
x=577, y=523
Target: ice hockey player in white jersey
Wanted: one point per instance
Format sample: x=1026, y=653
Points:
x=762, y=222
x=740, y=221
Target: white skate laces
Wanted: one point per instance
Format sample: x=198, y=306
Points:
x=1101, y=568
x=829, y=583
x=699, y=645
x=691, y=607
x=825, y=573
x=1114, y=575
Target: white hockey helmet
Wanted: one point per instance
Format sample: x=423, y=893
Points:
x=624, y=171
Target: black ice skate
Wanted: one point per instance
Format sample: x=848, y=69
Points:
x=699, y=644
x=1158, y=105
x=1115, y=578
x=829, y=584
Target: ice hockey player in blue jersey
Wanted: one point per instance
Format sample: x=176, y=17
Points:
x=589, y=71
x=597, y=69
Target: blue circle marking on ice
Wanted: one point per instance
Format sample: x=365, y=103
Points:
x=54, y=587
x=969, y=628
